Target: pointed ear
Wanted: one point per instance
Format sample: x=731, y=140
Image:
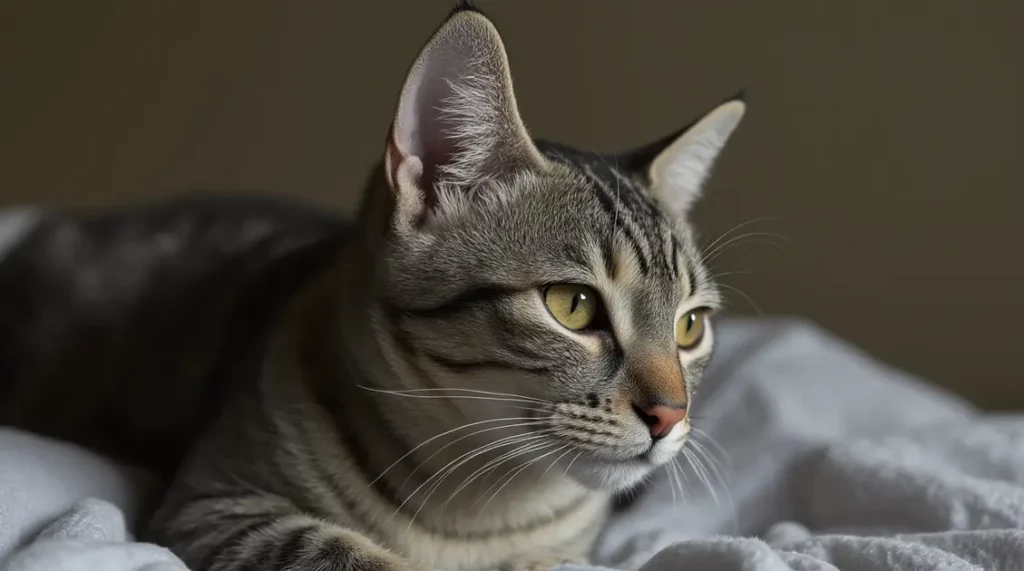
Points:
x=677, y=166
x=457, y=123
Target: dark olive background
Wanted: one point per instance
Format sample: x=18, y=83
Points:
x=883, y=139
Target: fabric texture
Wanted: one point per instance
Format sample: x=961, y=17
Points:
x=826, y=459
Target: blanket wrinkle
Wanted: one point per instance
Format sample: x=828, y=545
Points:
x=829, y=460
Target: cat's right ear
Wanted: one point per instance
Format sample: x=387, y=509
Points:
x=457, y=123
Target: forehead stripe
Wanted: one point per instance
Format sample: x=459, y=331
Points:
x=615, y=210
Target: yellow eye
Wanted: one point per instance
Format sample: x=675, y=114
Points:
x=574, y=306
x=690, y=329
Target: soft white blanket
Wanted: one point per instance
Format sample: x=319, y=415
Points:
x=831, y=461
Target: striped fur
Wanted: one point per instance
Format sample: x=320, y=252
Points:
x=418, y=407
x=405, y=400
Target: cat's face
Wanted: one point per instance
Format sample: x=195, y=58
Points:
x=556, y=289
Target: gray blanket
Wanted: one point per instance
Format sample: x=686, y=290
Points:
x=823, y=459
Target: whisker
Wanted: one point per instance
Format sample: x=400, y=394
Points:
x=534, y=448
x=488, y=467
x=734, y=273
x=570, y=447
x=447, y=432
x=399, y=392
x=461, y=460
x=699, y=432
x=573, y=461
x=453, y=397
x=684, y=484
x=713, y=465
x=671, y=472
x=517, y=472
x=723, y=235
x=752, y=303
x=709, y=256
x=502, y=440
x=702, y=475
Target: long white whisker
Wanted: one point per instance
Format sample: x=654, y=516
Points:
x=709, y=256
x=454, y=397
x=684, y=484
x=573, y=461
x=517, y=472
x=534, y=448
x=535, y=422
x=752, y=303
x=703, y=434
x=671, y=472
x=723, y=235
x=447, y=432
x=698, y=469
x=465, y=458
x=520, y=450
x=556, y=461
x=402, y=392
x=488, y=467
x=711, y=464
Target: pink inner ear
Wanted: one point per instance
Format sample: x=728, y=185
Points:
x=422, y=130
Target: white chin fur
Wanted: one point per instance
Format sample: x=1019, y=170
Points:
x=603, y=475
x=615, y=476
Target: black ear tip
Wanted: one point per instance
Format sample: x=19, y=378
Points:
x=464, y=6
x=743, y=96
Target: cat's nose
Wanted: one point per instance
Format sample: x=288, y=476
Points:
x=661, y=418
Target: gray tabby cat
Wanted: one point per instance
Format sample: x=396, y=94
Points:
x=510, y=335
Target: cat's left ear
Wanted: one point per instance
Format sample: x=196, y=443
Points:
x=457, y=124
x=676, y=166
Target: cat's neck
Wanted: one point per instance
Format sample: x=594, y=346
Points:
x=421, y=454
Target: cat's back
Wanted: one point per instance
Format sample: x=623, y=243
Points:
x=120, y=330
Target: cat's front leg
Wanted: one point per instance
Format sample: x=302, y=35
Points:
x=283, y=543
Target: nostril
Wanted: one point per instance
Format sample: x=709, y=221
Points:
x=661, y=419
x=649, y=419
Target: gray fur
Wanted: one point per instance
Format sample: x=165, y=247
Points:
x=413, y=404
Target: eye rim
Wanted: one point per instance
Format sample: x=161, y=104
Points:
x=598, y=322
x=705, y=321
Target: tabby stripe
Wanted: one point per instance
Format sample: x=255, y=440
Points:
x=665, y=262
x=692, y=277
x=212, y=560
x=612, y=211
x=356, y=448
x=465, y=300
x=607, y=253
x=400, y=336
x=675, y=258
x=572, y=253
x=468, y=366
x=287, y=549
x=647, y=215
x=614, y=358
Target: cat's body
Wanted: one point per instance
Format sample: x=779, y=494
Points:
x=509, y=335
x=119, y=329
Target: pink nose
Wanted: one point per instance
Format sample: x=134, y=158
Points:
x=662, y=418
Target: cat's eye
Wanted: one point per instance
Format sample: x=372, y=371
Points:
x=574, y=306
x=690, y=329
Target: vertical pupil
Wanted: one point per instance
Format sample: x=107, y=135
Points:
x=575, y=302
x=690, y=321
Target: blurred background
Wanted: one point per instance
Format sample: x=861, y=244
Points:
x=878, y=168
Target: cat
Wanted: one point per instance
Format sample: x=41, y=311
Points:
x=509, y=334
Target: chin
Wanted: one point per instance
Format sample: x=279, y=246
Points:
x=616, y=475
x=613, y=476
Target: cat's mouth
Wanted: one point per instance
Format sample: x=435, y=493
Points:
x=621, y=461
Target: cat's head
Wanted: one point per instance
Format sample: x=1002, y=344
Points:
x=560, y=287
